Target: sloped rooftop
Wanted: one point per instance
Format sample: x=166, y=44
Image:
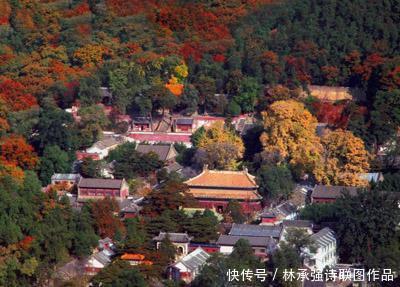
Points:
x=195, y=259
x=255, y=230
x=223, y=178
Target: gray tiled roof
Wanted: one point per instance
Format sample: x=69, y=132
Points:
x=255, y=230
x=102, y=257
x=174, y=237
x=184, y=121
x=195, y=259
x=173, y=167
x=65, y=176
x=141, y=120
x=334, y=191
x=108, y=141
x=127, y=205
x=100, y=183
x=230, y=240
x=324, y=237
x=297, y=223
x=286, y=208
x=160, y=150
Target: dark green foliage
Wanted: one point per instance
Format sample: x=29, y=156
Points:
x=215, y=274
x=368, y=223
x=286, y=257
x=299, y=239
x=85, y=238
x=120, y=274
x=276, y=182
x=169, y=197
x=54, y=160
x=121, y=152
x=129, y=163
x=23, y=122
x=90, y=168
x=189, y=100
x=319, y=212
x=197, y=135
x=385, y=116
x=136, y=234
x=203, y=226
x=251, y=140
x=89, y=91
x=391, y=182
x=235, y=212
x=167, y=250
x=55, y=127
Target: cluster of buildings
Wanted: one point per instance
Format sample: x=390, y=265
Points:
x=214, y=190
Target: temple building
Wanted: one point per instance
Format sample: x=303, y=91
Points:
x=215, y=188
x=98, y=188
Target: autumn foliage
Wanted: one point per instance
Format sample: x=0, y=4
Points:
x=344, y=159
x=14, y=151
x=105, y=212
x=14, y=95
x=332, y=114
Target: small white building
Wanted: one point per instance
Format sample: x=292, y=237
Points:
x=101, y=257
x=325, y=254
x=104, y=146
x=189, y=266
x=179, y=240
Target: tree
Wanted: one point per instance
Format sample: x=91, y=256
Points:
x=391, y=182
x=130, y=277
x=170, y=196
x=54, y=160
x=366, y=225
x=121, y=152
x=136, y=235
x=89, y=91
x=15, y=151
x=15, y=96
x=120, y=274
x=55, y=127
x=189, y=100
x=223, y=147
x=215, y=273
x=93, y=121
x=234, y=211
x=85, y=238
x=136, y=164
x=289, y=136
x=385, y=116
x=107, y=224
x=276, y=182
x=167, y=251
x=203, y=226
x=90, y=168
x=23, y=122
x=197, y=135
x=299, y=240
x=344, y=159
x=286, y=257
x=247, y=95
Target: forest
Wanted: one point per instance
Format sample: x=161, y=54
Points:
x=175, y=56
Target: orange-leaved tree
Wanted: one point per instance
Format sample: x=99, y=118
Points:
x=14, y=96
x=223, y=148
x=344, y=159
x=289, y=136
x=15, y=151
